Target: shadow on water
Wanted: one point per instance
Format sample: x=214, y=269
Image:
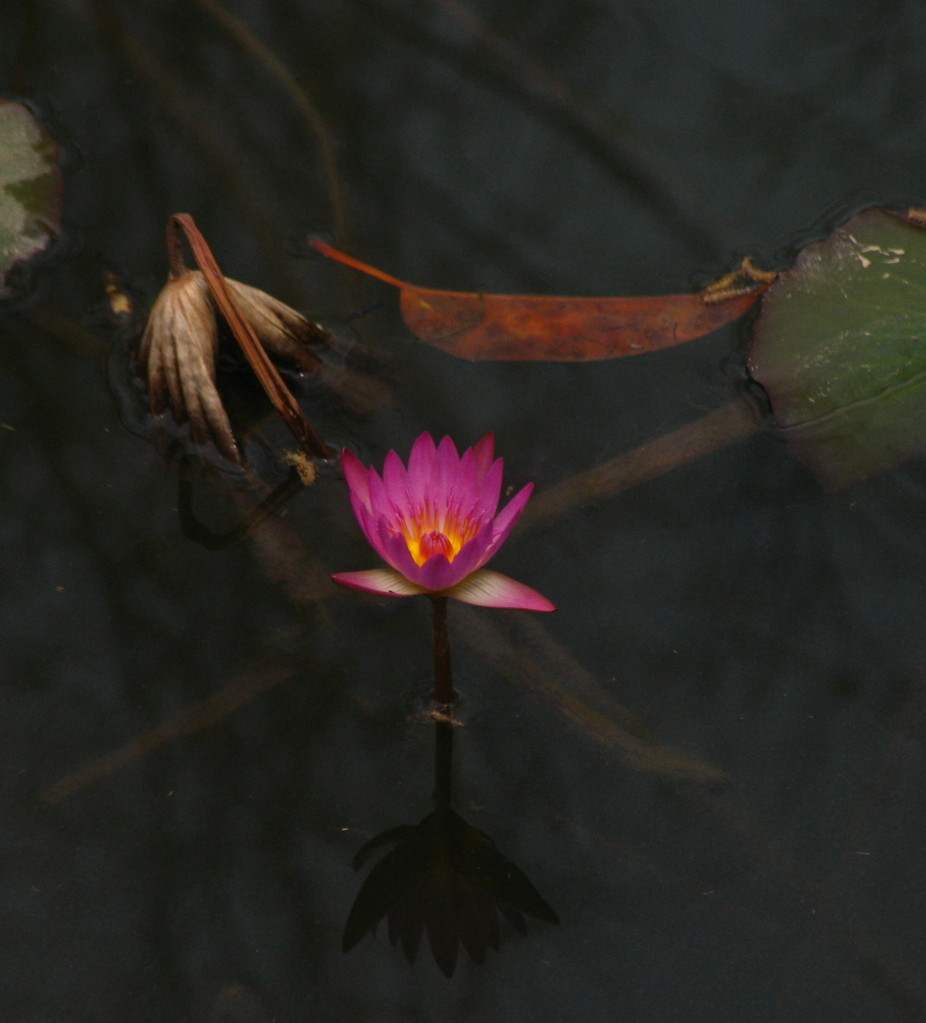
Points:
x=443, y=878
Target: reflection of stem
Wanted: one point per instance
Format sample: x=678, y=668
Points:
x=443, y=765
x=443, y=673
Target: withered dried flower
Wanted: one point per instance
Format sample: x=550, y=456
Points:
x=178, y=353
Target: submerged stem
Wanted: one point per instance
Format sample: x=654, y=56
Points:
x=726, y=425
x=443, y=672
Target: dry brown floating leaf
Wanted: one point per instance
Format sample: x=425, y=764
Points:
x=555, y=328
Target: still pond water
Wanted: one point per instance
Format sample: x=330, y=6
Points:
x=709, y=763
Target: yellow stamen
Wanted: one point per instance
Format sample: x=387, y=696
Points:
x=435, y=543
x=428, y=534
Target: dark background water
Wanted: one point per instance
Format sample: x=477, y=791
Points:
x=709, y=761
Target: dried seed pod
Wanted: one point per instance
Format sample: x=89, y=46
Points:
x=178, y=353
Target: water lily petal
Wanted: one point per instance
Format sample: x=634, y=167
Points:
x=486, y=588
x=393, y=549
x=477, y=483
x=462, y=487
x=508, y=516
x=437, y=573
x=422, y=468
x=489, y=490
x=384, y=581
x=476, y=552
x=483, y=453
x=463, y=492
x=357, y=476
x=371, y=524
x=448, y=462
x=395, y=479
x=380, y=504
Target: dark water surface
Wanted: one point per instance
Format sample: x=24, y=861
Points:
x=709, y=761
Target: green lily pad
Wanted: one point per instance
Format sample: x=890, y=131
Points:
x=840, y=348
x=30, y=189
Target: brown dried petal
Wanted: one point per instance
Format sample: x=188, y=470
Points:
x=288, y=335
x=284, y=332
x=178, y=353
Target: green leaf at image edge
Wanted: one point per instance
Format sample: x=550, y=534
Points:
x=840, y=348
x=30, y=189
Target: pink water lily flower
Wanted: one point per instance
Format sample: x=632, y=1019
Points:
x=435, y=523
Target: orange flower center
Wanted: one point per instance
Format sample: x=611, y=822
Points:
x=429, y=534
x=433, y=543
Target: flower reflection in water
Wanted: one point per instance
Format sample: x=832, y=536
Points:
x=443, y=877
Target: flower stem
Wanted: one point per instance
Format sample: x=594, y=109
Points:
x=443, y=673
